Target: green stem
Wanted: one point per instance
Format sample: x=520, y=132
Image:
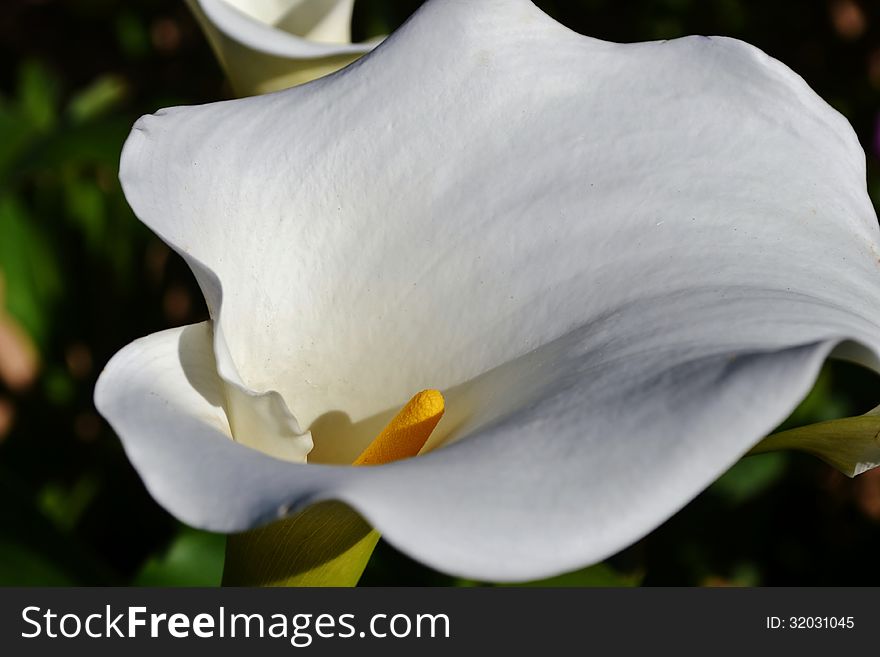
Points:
x=328, y=544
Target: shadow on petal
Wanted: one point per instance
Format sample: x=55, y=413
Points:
x=198, y=363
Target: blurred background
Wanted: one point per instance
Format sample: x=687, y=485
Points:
x=80, y=278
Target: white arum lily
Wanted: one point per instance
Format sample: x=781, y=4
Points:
x=266, y=45
x=623, y=265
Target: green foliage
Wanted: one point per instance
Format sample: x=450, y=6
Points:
x=65, y=505
x=132, y=34
x=750, y=477
x=29, y=265
x=20, y=566
x=193, y=558
x=71, y=254
x=37, y=99
x=99, y=98
x=57, y=165
x=82, y=278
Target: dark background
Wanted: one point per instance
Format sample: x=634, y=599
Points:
x=80, y=278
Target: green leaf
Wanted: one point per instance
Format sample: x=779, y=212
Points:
x=16, y=135
x=33, y=550
x=30, y=269
x=64, y=504
x=850, y=444
x=327, y=544
x=194, y=558
x=38, y=95
x=100, y=97
x=132, y=35
x=21, y=566
x=750, y=477
x=86, y=210
x=58, y=386
x=88, y=144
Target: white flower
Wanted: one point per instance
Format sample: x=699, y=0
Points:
x=622, y=264
x=266, y=45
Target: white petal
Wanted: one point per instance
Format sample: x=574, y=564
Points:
x=163, y=397
x=327, y=21
x=266, y=45
x=624, y=265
